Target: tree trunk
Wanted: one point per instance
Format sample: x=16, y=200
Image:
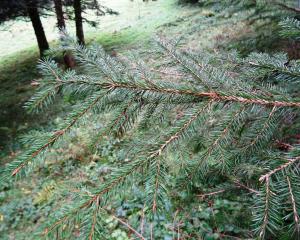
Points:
x=78, y=21
x=67, y=56
x=59, y=15
x=34, y=16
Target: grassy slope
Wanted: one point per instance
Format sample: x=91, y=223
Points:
x=16, y=72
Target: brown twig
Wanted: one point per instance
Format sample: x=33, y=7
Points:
x=167, y=73
x=295, y=211
x=246, y=187
x=293, y=9
x=180, y=131
x=280, y=168
x=129, y=227
x=213, y=95
x=266, y=215
x=210, y=194
x=210, y=95
x=94, y=220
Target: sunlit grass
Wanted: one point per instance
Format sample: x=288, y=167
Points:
x=136, y=15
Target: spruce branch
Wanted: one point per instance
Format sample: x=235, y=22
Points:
x=294, y=204
x=263, y=132
x=155, y=156
x=117, y=178
x=116, y=124
x=215, y=108
x=282, y=167
x=50, y=69
x=48, y=88
x=55, y=137
x=41, y=99
x=154, y=203
x=211, y=193
x=280, y=70
x=179, y=133
x=36, y=153
x=215, y=144
x=184, y=62
x=245, y=187
x=140, y=236
x=266, y=211
x=286, y=7
x=94, y=219
x=158, y=185
x=215, y=96
x=290, y=28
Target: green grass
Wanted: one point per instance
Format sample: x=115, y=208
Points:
x=136, y=15
x=16, y=73
x=118, y=40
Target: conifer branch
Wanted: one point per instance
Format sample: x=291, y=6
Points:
x=154, y=202
x=49, y=67
x=211, y=194
x=284, y=6
x=293, y=202
x=36, y=153
x=266, y=210
x=279, y=169
x=172, y=138
x=40, y=99
x=140, y=236
x=219, y=104
x=56, y=136
x=276, y=69
x=213, y=146
x=290, y=28
x=183, y=63
x=121, y=174
x=57, y=223
x=94, y=219
x=114, y=123
x=245, y=187
x=215, y=95
x=260, y=134
x=180, y=131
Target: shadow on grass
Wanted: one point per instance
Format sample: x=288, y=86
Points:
x=16, y=73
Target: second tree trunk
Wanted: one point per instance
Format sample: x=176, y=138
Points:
x=34, y=16
x=59, y=14
x=78, y=21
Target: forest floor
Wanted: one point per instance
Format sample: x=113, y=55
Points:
x=133, y=29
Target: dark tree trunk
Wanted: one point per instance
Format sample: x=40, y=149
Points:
x=67, y=56
x=78, y=21
x=34, y=16
x=59, y=15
